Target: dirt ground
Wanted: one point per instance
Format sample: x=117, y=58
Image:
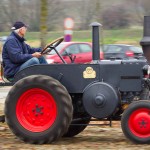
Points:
x=92, y=138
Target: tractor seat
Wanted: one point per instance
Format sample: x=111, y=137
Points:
x=6, y=80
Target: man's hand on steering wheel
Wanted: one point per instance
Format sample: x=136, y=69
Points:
x=37, y=54
x=52, y=45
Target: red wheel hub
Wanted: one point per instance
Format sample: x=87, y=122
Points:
x=36, y=110
x=139, y=123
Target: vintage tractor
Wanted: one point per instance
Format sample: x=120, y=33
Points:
x=47, y=102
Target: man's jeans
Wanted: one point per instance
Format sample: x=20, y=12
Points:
x=33, y=61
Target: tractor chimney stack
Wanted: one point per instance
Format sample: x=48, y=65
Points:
x=145, y=42
x=95, y=41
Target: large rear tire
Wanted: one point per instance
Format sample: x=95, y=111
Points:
x=38, y=109
x=135, y=122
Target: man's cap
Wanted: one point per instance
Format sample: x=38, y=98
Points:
x=18, y=25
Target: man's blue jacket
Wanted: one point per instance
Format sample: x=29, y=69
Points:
x=15, y=53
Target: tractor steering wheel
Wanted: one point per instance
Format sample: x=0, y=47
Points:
x=52, y=45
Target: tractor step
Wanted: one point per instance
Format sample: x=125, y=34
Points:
x=104, y=124
x=2, y=118
x=6, y=84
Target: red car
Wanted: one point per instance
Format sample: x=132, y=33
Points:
x=72, y=52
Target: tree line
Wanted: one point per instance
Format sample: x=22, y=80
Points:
x=113, y=14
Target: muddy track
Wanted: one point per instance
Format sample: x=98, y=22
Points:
x=93, y=137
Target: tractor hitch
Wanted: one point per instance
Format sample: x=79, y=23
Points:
x=2, y=118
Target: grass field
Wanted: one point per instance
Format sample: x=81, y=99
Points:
x=126, y=36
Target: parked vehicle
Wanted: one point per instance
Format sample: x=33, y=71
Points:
x=122, y=51
x=73, y=52
x=2, y=41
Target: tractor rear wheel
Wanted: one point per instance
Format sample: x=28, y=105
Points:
x=135, y=122
x=38, y=109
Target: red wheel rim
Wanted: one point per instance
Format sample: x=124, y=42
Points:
x=36, y=110
x=139, y=123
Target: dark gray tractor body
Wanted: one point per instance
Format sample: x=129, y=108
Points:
x=123, y=75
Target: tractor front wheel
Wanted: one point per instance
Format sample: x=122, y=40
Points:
x=38, y=109
x=135, y=122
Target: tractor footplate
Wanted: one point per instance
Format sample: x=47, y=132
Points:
x=6, y=84
x=2, y=118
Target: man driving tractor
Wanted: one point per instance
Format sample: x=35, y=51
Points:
x=18, y=55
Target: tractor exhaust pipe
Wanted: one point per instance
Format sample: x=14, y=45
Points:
x=145, y=42
x=95, y=41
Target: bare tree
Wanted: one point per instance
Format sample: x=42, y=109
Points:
x=115, y=17
x=82, y=11
x=19, y=10
x=97, y=10
x=9, y=11
x=138, y=9
x=29, y=12
x=88, y=11
x=43, y=22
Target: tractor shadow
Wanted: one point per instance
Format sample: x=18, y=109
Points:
x=96, y=135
